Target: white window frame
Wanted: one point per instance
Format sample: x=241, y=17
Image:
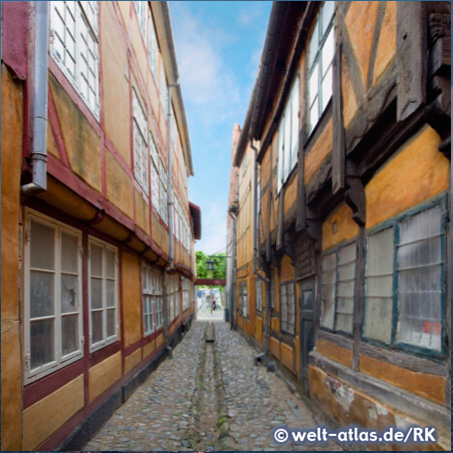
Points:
x=86, y=17
x=258, y=295
x=287, y=316
x=185, y=294
x=148, y=294
x=158, y=296
x=317, y=46
x=288, y=135
x=163, y=89
x=59, y=361
x=105, y=340
x=141, y=148
x=153, y=46
x=163, y=209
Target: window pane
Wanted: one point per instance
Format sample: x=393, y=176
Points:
x=111, y=322
x=313, y=46
x=314, y=114
x=69, y=293
x=111, y=297
x=96, y=293
x=42, y=246
x=110, y=262
x=313, y=85
x=378, y=318
x=41, y=294
x=69, y=253
x=96, y=326
x=328, y=51
x=295, y=102
x=328, y=290
x=70, y=334
x=344, y=322
x=96, y=260
x=327, y=88
x=41, y=343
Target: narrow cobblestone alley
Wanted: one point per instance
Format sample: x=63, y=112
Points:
x=210, y=396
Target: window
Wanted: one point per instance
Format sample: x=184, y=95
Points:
x=163, y=89
x=153, y=48
x=53, y=296
x=288, y=136
x=409, y=274
x=158, y=297
x=172, y=296
x=288, y=308
x=148, y=299
x=320, y=56
x=140, y=8
x=74, y=46
x=258, y=295
x=163, y=193
x=140, y=143
x=243, y=306
x=103, y=293
x=338, y=286
x=185, y=294
x=272, y=289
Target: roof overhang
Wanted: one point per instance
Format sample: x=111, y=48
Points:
x=195, y=212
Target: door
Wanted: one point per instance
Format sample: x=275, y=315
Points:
x=307, y=305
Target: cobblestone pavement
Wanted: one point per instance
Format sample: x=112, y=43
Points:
x=210, y=396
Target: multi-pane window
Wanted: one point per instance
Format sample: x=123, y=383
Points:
x=272, y=289
x=163, y=193
x=172, y=296
x=417, y=262
x=243, y=305
x=74, y=46
x=153, y=47
x=140, y=143
x=103, y=293
x=155, y=180
x=158, y=297
x=185, y=294
x=258, y=295
x=53, y=296
x=148, y=299
x=338, y=286
x=163, y=89
x=288, y=136
x=320, y=56
x=288, y=308
x=140, y=8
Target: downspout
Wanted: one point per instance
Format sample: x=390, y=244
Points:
x=255, y=252
x=38, y=120
x=171, y=265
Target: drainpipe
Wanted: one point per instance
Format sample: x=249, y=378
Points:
x=170, y=203
x=38, y=120
x=255, y=252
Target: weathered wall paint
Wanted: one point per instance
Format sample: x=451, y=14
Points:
x=287, y=353
x=317, y=154
x=132, y=359
x=334, y=352
x=338, y=227
x=349, y=100
x=11, y=357
x=275, y=347
x=428, y=386
x=287, y=271
x=47, y=415
x=142, y=211
x=417, y=172
x=149, y=348
x=132, y=314
x=104, y=375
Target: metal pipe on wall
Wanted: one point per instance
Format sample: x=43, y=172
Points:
x=39, y=89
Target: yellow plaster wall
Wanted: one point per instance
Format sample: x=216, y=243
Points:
x=287, y=271
x=142, y=211
x=119, y=185
x=320, y=150
x=11, y=359
x=83, y=145
x=417, y=172
x=159, y=340
x=132, y=359
x=51, y=145
x=47, y=415
x=429, y=386
x=340, y=221
x=334, y=352
x=290, y=195
x=137, y=41
x=349, y=101
x=115, y=86
x=287, y=353
x=132, y=298
x=275, y=347
x=149, y=348
x=360, y=21
x=160, y=234
x=386, y=50
x=104, y=375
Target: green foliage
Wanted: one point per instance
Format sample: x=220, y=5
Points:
x=219, y=265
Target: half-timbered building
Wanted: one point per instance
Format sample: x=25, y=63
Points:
x=349, y=128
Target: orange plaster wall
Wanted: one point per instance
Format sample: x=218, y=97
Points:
x=387, y=42
x=315, y=157
x=287, y=353
x=346, y=228
x=290, y=195
x=275, y=347
x=428, y=386
x=360, y=21
x=115, y=86
x=142, y=211
x=334, y=352
x=416, y=173
x=287, y=271
x=131, y=298
x=11, y=359
x=349, y=101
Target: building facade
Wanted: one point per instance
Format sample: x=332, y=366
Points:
x=97, y=229
x=349, y=126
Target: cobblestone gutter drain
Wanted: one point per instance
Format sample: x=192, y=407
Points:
x=210, y=424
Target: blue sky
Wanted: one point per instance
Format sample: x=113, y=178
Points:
x=218, y=48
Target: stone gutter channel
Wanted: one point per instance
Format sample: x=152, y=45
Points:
x=210, y=424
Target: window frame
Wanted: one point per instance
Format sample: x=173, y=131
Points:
x=59, y=361
x=113, y=338
x=336, y=250
x=80, y=15
x=148, y=292
x=281, y=286
x=258, y=284
x=394, y=223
